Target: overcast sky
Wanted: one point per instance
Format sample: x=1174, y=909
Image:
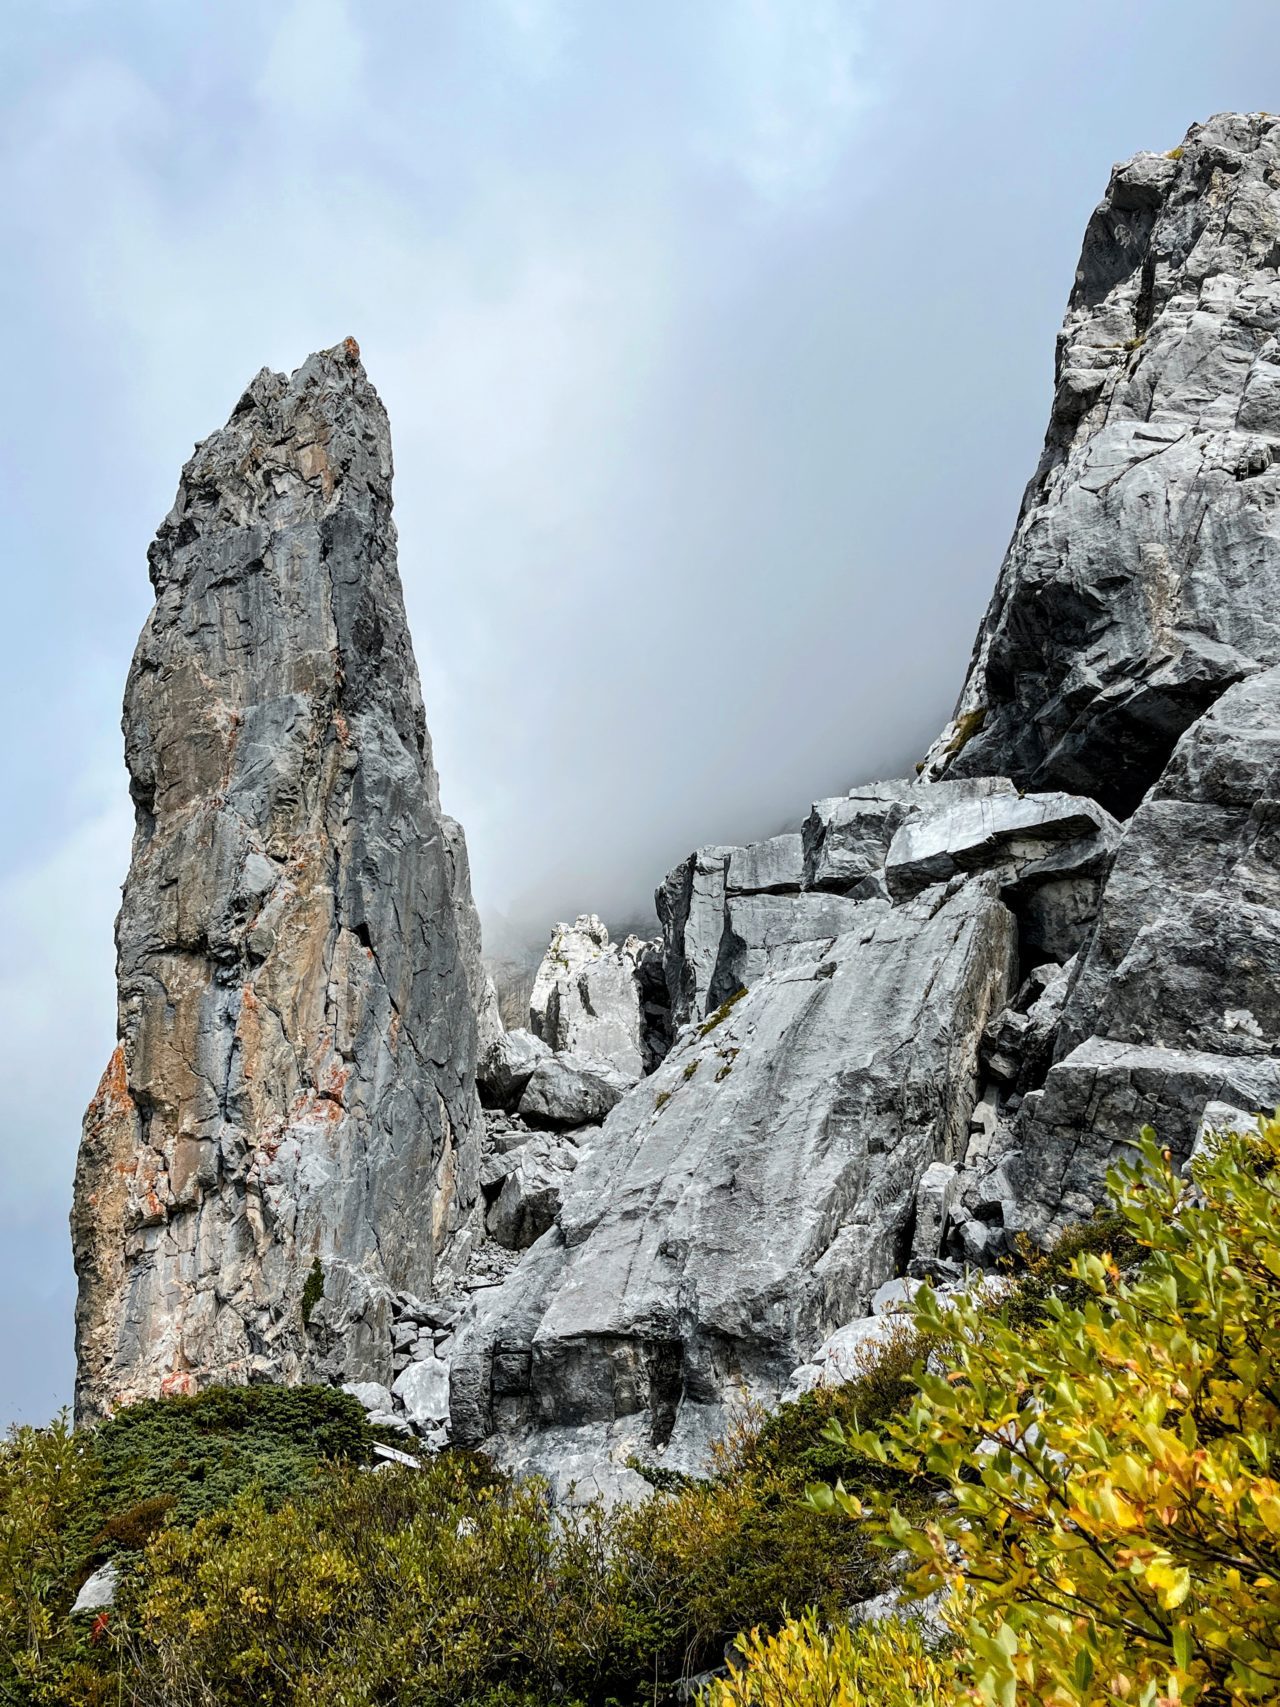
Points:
x=717, y=340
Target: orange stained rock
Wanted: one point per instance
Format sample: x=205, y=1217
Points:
x=112, y=1095
x=333, y=1081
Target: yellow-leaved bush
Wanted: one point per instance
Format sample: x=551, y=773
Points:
x=1108, y=1529
x=806, y=1666
x=44, y=1474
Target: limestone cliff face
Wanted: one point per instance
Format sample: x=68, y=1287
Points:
x=1129, y=653
x=292, y=1095
x=1143, y=577
x=927, y=1023
x=877, y=1049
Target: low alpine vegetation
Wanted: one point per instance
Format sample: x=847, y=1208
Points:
x=1081, y=1472
x=1110, y=1529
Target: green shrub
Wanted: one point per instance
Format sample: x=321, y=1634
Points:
x=722, y=1012
x=71, y=1500
x=453, y=1585
x=1087, y=1464
x=201, y=1450
x=1112, y=1532
x=966, y=728
x=130, y=1530
x=806, y=1665
x=45, y=1478
x=1050, y=1274
x=798, y=1439
x=312, y=1290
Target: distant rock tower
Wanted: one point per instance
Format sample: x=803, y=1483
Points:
x=288, y=1127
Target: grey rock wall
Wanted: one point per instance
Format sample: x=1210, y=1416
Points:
x=1176, y=1000
x=1143, y=577
x=744, y=1199
x=883, y=1046
x=293, y=1087
x=586, y=995
x=929, y=1023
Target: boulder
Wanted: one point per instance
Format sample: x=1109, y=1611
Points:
x=934, y=1197
x=98, y=1592
x=842, y=1357
x=371, y=1394
x=532, y=1191
x=847, y=839
x=1049, y=851
x=893, y=1297
x=772, y=867
x=1017, y=1048
x=570, y=1090
x=423, y=1390
x=506, y=1066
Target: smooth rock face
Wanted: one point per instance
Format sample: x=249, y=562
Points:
x=586, y=997
x=294, y=1081
x=747, y=1197
x=1144, y=573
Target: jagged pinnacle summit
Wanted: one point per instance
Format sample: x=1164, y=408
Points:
x=291, y=1103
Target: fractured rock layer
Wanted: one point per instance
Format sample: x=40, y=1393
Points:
x=850, y=1089
x=893, y=1040
x=291, y=1106
x=1176, y=1001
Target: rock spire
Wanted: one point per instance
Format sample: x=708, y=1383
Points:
x=288, y=1128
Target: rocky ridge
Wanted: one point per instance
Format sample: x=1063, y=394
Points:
x=886, y=1046
x=927, y=1023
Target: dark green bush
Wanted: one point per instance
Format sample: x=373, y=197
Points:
x=200, y=1451
x=452, y=1586
x=795, y=1441
x=312, y=1291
